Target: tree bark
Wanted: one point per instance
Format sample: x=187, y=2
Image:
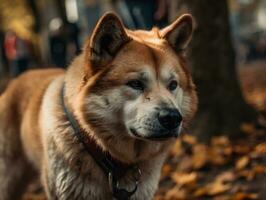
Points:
x=222, y=108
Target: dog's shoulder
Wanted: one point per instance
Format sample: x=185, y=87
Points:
x=29, y=86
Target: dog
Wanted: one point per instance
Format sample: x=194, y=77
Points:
x=101, y=129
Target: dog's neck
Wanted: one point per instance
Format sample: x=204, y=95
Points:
x=111, y=167
x=104, y=159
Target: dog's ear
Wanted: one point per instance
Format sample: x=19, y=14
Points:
x=107, y=38
x=179, y=33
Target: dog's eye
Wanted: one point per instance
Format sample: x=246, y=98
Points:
x=136, y=84
x=173, y=85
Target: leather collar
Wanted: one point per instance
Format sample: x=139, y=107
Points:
x=112, y=168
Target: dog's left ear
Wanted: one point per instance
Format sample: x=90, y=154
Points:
x=179, y=33
x=107, y=38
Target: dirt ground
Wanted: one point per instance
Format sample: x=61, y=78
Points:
x=223, y=170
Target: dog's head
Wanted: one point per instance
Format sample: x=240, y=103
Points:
x=136, y=85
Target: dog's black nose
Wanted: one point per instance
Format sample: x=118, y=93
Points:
x=169, y=118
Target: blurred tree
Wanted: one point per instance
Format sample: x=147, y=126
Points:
x=222, y=108
x=16, y=16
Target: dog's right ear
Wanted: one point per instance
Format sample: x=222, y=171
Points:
x=107, y=38
x=179, y=33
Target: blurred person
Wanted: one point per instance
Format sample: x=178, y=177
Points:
x=17, y=53
x=1, y=67
x=57, y=43
x=73, y=45
x=89, y=13
x=144, y=14
x=1, y=54
x=161, y=13
x=261, y=46
x=92, y=11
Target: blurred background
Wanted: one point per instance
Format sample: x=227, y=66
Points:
x=224, y=156
x=50, y=32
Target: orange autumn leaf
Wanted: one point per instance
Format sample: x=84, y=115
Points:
x=166, y=170
x=247, y=128
x=220, y=141
x=200, y=156
x=259, y=169
x=176, y=194
x=184, y=178
x=245, y=196
x=226, y=176
x=247, y=174
x=228, y=150
x=242, y=162
x=189, y=139
x=261, y=148
x=212, y=189
x=217, y=156
x=218, y=188
x=251, y=173
x=177, y=149
x=186, y=164
x=201, y=192
x=241, y=149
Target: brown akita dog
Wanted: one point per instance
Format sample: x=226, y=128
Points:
x=102, y=129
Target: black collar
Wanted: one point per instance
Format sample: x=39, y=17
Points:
x=112, y=168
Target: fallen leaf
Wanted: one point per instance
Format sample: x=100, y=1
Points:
x=242, y=163
x=176, y=193
x=261, y=148
x=217, y=156
x=186, y=164
x=222, y=198
x=259, y=169
x=189, y=139
x=177, y=149
x=241, y=149
x=228, y=151
x=220, y=141
x=184, y=178
x=247, y=128
x=201, y=192
x=200, y=156
x=218, y=188
x=227, y=176
x=166, y=170
x=247, y=174
x=212, y=189
x=244, y=196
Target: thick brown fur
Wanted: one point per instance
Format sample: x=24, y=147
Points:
x=35, y=135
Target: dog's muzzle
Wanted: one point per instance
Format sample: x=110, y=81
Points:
x=169, y=120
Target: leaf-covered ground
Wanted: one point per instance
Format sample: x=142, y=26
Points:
x=222, y=170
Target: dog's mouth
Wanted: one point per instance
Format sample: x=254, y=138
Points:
x=166, y=135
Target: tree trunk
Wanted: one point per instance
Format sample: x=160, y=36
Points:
x=222, y=107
